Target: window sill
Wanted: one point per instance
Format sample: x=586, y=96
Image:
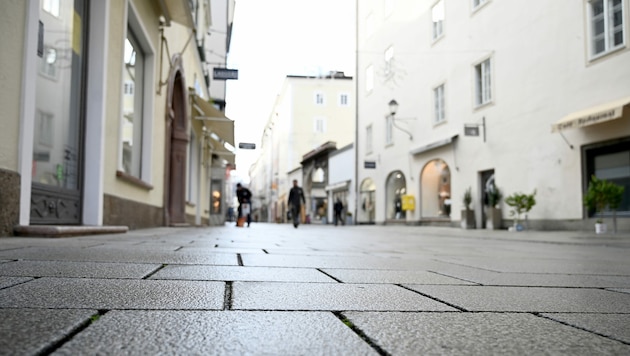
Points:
x=600, y=56
x=483, y=105
x=133, y=180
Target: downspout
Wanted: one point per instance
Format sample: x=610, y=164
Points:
x=356, y=114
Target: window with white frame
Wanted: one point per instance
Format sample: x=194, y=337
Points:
x=344, y=99
x=606, y=25
x=319, y=124
x=483, y=82
x=477, y=3
x=319, y=98
x=389, y=59
x=437, y=16
x=368, y=139
x=128, y=88
x=389, y=130
x=369, y=78
x=438, y=99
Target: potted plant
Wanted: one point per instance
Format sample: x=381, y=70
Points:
x=601, y=195
x=493, y=211
x=468, y=214
x=521, y=204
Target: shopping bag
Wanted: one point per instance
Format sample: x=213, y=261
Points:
x=245, y=209
x=240, y=222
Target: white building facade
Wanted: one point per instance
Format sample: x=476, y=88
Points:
x=545, y=86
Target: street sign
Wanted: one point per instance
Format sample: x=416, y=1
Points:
x=247, y=146
x=369, y=164
x=224, y=73
x=471, y=130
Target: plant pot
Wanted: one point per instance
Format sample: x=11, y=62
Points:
x=600, y=228
x=493, y=218
x=468, y=219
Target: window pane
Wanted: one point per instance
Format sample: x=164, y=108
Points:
x=132, y=106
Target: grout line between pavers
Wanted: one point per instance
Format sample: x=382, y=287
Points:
x=432, y=297
x=580, y=328
x=50, y=349
x=154, y=272
x=227, y=299
x=361, y=334
x=329, y=275
x=239, y=259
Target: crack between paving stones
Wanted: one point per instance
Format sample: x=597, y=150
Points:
x=433, y=298
x=360, y=334
x=155, y=271
x=265, y=251
x=52, y=348
x=239, y=258
x=227, y=298
x=329, y=275
x=580, y=328
x=461, y=279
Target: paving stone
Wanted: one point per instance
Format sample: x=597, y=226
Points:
x=529, y=299
x=76, y=269
x=118, y=255
x=392, y=276
x=358, y=262
x=239, y=273
x=216, y=333
x=621, y=290
x=6, y=282
x=31, y=331
x=326, y=296
x=61, y=293
x=616, y=326
x=479, y=334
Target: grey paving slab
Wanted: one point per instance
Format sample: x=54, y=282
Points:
x=392, y=276
x=216, y=333
x=32, y=331
x=6, y=282
x=118, y=255
x=529, y=299
x=621, y=290
x=325, y=296
x=63, y=293
x=240, y=273
x=479, y=334
x=358, y=262
x=616, y=326
x=76, y=269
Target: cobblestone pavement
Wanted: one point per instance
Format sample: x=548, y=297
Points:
x=316, y=290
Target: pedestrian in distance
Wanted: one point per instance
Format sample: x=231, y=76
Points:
x=338, y=207
x=296, y=199
x=244, y=197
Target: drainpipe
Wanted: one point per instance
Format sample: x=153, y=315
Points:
x=356, y=114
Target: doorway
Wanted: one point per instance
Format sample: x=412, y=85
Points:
x=176, y=196
x=487, y=183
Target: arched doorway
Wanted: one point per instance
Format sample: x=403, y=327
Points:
x=435, y=185
x=395, y=188
x=368, y=202
x=176, y=147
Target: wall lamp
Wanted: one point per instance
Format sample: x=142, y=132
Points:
x=393, y=108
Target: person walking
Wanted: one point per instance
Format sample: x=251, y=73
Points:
x=338, y=207
x=244, y=197
x=296, y=199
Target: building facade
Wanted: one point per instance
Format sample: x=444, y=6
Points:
x=308, y=112
x=515, y=95
x=110, y=122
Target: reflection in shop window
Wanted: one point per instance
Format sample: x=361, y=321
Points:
x=216, y=207
x=133, y=77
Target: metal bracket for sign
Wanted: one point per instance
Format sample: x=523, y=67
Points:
x=473, y=129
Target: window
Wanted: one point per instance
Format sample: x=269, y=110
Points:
x=193, y=168
x=437, y=15
x=128, y=88
x=368, y=139
x=483, y=82
x=477, y=3
x=48, y=63
x=215, y=205
x=369, y=78
x=389, y=130
x=46, y=128
x=51, y=7
x=610, y=161
x=319, y=98
x=389, y=58
x=606, y=25
x=438, y=98
x=320, y=125
x=343, y=99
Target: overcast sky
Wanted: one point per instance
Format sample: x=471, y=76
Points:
x=272, y=39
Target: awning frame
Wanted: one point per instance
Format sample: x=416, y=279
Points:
x=597, y=114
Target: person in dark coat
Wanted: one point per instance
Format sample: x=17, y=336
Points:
x=338, y=207
x=296, y=199
x=244, y=196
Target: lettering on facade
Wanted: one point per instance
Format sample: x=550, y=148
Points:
x=589, y=120
x=369, y=164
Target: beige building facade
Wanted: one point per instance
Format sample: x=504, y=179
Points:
x=110, y=122
x=517, y=95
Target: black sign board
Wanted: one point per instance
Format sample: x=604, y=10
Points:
x=471, y=130
x=247, y=146
x=224, y=73
x=369, y=164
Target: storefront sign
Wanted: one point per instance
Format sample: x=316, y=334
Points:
x=224, y=74
x=408, y=202
x=369, y=164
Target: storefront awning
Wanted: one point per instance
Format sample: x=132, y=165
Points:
x=433, y=145
x=177, y=11
x=595, y=115
x=214, y=119
x=338, y=186
x=217, y=148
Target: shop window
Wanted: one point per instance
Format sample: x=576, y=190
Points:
x=396, y=187
x=436, y=189
x=610, y=161
x=215, y=205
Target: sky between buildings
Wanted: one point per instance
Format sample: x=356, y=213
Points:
x=275, y=38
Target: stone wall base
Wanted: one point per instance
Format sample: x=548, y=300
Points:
x=9, y=201
x=122, y=212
